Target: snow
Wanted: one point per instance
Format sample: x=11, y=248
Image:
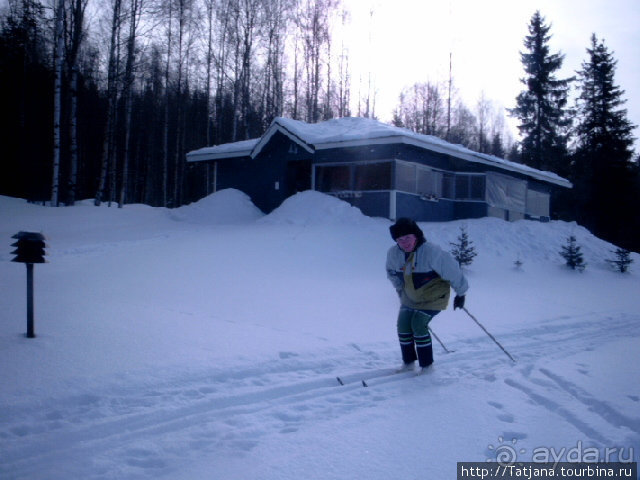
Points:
x=226, y=150
x=204, y=343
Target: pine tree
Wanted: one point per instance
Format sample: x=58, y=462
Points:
x=604, y=172
x=542, y=107
x=571, y=253
x=463, y=251
x=622, y=261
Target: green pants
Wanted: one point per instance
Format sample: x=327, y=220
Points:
x=414, y=336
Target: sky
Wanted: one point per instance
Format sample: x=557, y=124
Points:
x=408, y=41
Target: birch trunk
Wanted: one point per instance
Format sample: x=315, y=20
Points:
x=210, y=8
x=112, y=94
x=77, y=35
x=57, y=102
x=128, y=92
x=165, y=133
x=73, y=174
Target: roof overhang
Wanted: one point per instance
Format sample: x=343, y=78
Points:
x=226, y=150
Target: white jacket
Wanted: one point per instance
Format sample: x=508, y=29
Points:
x=429, y=265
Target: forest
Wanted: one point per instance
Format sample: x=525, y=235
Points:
x=103, y=100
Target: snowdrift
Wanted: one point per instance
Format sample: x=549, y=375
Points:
x=314, y=208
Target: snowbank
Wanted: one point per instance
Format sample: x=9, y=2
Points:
x=228, y=206
x=314, y=208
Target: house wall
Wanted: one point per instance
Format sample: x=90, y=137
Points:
x=372, y=204
x=408, y=205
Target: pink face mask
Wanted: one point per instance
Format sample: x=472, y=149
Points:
x=407, y=242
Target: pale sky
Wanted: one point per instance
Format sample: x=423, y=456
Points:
x=410, y=41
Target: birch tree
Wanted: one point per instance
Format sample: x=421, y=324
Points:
x=135, y=11
x=313, y=23
x=58, y=62
x=109, y=143
x=210, y=8
x=344, y=75
x=165, y=122
x=76, y=36
x=275, y=26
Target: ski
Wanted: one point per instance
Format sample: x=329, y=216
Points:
x=382, y=374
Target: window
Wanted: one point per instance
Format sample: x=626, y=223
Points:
x=448, y=187
x=462, y=186
x=469, y=187
x=333, y=178
x=429, y=182
x=406, y=177
x=373, y=176
x=537, y=203
x=353, y=177
x=506, y=192
x=418, y=179
x=477, y=187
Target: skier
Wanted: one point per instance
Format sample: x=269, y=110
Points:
x=422, y=274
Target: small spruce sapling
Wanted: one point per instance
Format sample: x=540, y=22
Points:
x=571, y=253
x=622, y=261
x=463, y=251
x=518, y=263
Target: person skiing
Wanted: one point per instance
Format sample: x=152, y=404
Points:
x=422, y=274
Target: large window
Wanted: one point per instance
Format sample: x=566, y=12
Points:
x=334, y=178
x=469, y=187
x=506, y=192
x=400, y=175
x=413, y=178
x=429, y=183
x=406, y=177
x=353, y=177
x=372, y=176
x=537, y=204
x=448, y=185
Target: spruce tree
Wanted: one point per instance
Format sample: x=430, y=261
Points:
x=542, y=106
x=572, y=254
x=604, y=172
x=463, y=251
x=622, y=261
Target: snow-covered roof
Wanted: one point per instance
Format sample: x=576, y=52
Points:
x=355, y=131
x=226, y=150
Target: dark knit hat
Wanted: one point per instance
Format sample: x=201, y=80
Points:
x=406, y=226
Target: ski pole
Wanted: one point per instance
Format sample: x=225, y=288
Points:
x=439, y=341
x=490, y=336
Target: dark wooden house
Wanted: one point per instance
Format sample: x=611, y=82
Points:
x=385, y=171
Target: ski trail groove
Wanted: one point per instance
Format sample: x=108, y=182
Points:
x=599, y=407
x=557, y=409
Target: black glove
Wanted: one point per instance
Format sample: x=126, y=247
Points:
x=458, y=302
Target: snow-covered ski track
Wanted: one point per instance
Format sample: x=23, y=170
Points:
x=146, y=426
